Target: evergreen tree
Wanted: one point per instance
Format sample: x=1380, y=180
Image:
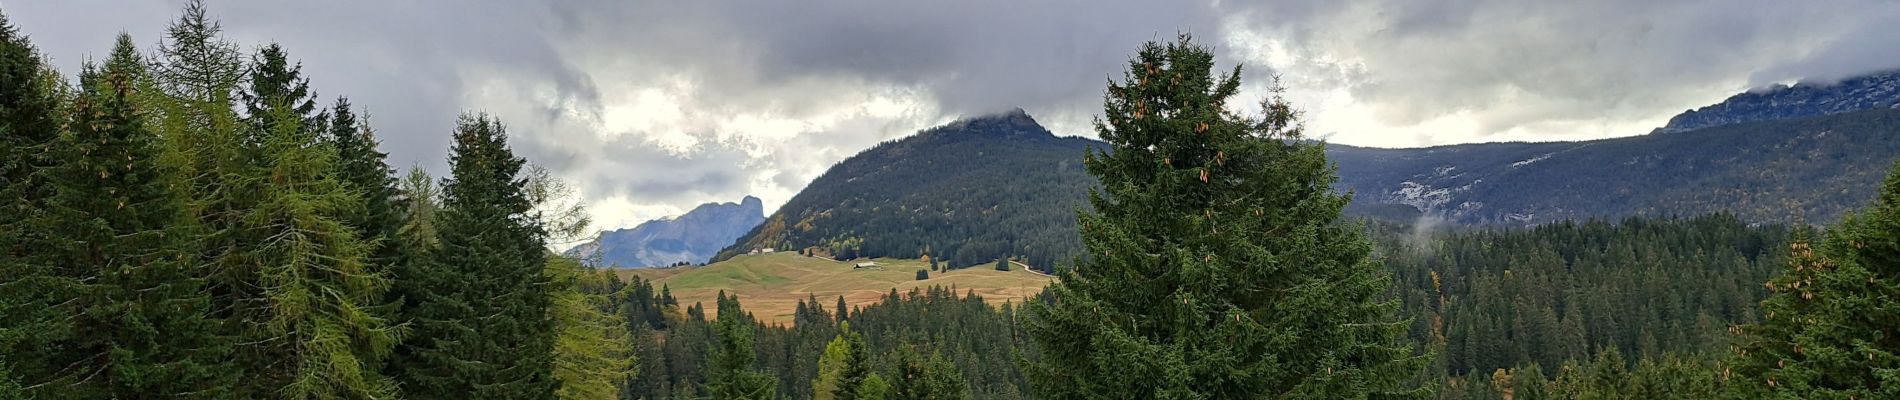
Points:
x=1828, y=324
x=592, y=350
x=479, y=304
x=923, y=274
x=198, y=73
x=365, y=169
x=1216, y=267
x=934, y=378
x=275, y=84
x=732, y=375
x=873, y=388
x=844, y=311
x=141, y=327
x=313, y=314
x=843, y=368
x=32, y=294
x=1002, y=264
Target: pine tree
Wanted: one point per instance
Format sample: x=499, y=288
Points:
x=1002, y=264
x=142, y=329
x=1828, y=324
x=732, y=358
x=1216, y=266
x=31, y=292
x=934, y=378
x=479, y=303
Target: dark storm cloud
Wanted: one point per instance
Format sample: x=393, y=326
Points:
x=654, y=106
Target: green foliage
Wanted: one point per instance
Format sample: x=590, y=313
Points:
x=31, y=291
x=933, y=378
x=279, y=93
x=1497, y=298
x=731, y=361
x=873, y=388
x=317, y=288
x=1216, y=267
x=593, y=352
x=479, y=305
x=1828, y=323
x=844, y=372
x=901, y=197
x=364, y=168
x=972, y=339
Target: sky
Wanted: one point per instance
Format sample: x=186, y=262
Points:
x=650, y=107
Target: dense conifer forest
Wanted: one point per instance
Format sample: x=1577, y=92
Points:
x=191, y=220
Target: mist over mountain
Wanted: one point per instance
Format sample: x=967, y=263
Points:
x=691, y=238
x=1807, y=99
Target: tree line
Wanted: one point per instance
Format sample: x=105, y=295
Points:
x=190, y=222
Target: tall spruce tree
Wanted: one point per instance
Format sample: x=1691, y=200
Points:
x=1216, y=267
x=366, y=170
x=32, y=294
x=278, y=89
x=141, y=329
x=1829, y=323
x=479, y=306
x=732, y=376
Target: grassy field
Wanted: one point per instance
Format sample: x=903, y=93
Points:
x=770, y=285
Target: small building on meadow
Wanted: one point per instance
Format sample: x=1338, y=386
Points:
x=866, y=265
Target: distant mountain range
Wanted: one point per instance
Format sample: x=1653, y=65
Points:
x=1001, y=185
x=1880, y=90
x=692, y=238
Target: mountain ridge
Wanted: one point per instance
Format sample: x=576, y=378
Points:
x=1806, y=99
x=691, y=238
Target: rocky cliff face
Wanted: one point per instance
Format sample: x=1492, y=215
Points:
x=1880, y=90
x=691, y=238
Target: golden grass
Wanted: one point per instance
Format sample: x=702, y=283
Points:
x=770, y=285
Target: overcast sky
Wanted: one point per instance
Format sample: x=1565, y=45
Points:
x=652, y=107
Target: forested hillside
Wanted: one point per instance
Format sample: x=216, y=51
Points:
x=966, y=193
x=196, y=225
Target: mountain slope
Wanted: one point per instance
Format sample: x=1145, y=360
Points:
x=998, y=186
x=691, y=238
x=1806, y=169
x=1880, y=90
x=966, y=193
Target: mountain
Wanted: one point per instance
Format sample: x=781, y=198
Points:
x=691, y=238
x=966, y=193
x=1880, y=90
x=1001, y=185
x=1791, y=170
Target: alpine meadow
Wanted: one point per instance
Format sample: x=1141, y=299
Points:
x=1365, y=199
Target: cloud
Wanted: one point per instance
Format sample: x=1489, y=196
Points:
x=1480, y=70
x=653, y=106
